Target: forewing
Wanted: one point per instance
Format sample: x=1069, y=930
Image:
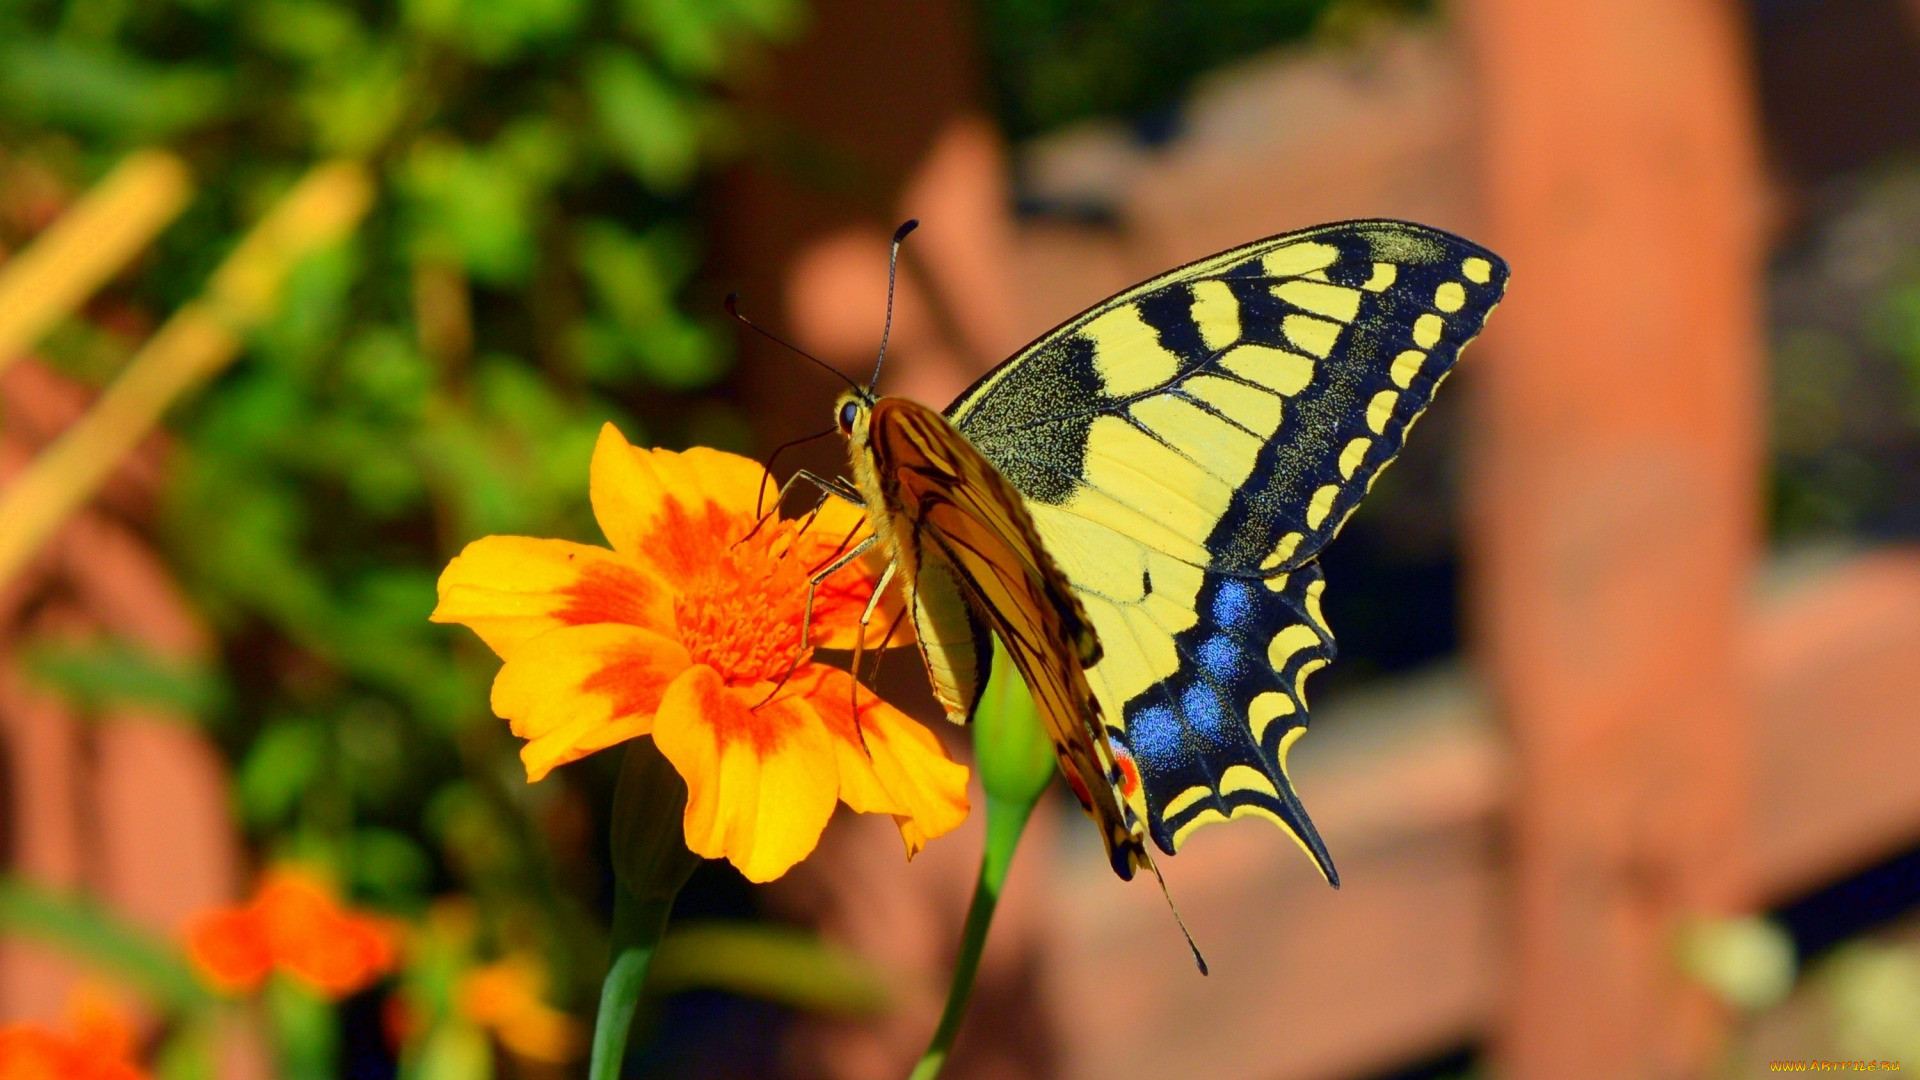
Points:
x=1186, y=450
x=1233, y=412
x=963, y=520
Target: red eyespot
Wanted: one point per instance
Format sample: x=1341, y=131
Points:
x=1129, y=772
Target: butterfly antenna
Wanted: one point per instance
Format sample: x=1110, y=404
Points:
x=733, y=310
x=893, y=274
x=1199, y=960
x=766, y=468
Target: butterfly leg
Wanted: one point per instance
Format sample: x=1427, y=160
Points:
x=806, y=615
x=860, y=642
x=854, y=689
x=829, y=487
x=814, y=582
x=886, y=579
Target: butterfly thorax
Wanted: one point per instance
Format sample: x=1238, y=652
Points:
x=854, y=412
x=943, y=458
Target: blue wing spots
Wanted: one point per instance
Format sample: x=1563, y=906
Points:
x=1202, y=707
x=1233, y=604
x=1222, y=657
x=1154, y=735
x=1189, y=730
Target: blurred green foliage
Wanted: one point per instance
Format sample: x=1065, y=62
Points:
x=1055, y=61
x=440, y=378
x=1845, y=308
x=83, y=929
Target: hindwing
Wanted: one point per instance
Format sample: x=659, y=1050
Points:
x=953, y=640
x=1186, y=449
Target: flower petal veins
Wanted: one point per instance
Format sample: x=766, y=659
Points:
x=757, y=792
x=889, y=764
x=510, y=589
x=579, y=689
x=670, y=510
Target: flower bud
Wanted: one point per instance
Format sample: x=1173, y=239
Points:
x=1011, y=747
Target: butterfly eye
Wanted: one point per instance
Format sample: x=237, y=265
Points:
x=847, y=413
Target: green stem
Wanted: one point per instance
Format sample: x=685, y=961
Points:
x=1006, y=819
x=637, y=927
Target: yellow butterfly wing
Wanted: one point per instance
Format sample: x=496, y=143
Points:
x=1185, y=449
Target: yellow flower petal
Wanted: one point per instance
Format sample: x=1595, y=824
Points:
x=891, y=764
x=672, y=509
x=579, y=689
x=509, y=589
x=761, y=782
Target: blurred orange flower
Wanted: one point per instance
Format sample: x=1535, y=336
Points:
x=98, y=1048
x=505, y=998
x=684, y=630
x=293, y=925
x=30, y=1052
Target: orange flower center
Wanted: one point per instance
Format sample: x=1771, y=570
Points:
x=741, y=614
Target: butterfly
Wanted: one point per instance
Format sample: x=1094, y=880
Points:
x=1135, y=504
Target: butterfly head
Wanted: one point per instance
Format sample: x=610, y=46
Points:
x=850, y=415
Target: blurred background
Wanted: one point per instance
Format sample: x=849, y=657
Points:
x=1621, y=759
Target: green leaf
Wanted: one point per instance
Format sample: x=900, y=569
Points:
x=687, y=36
x=471, y=207
x=389, y=868
x=81, y=928
x=359, y=101
x=494, y=31
x=100, y=91
x=635, y=278
x=190, y=1052
x=308, y=1031
x=539, y=148
x=693, y=39
x=312, y=31
x=314, y=307
x=455, y=1051
x=647, y=124
x=386, y=375
x=279, y=768
x=116, y=672
x=781, y=964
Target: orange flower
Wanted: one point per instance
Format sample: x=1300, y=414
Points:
x=684, y=630
x=97, y=1049
x=29, y=1052
x=293, y=925
x=505, y=997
